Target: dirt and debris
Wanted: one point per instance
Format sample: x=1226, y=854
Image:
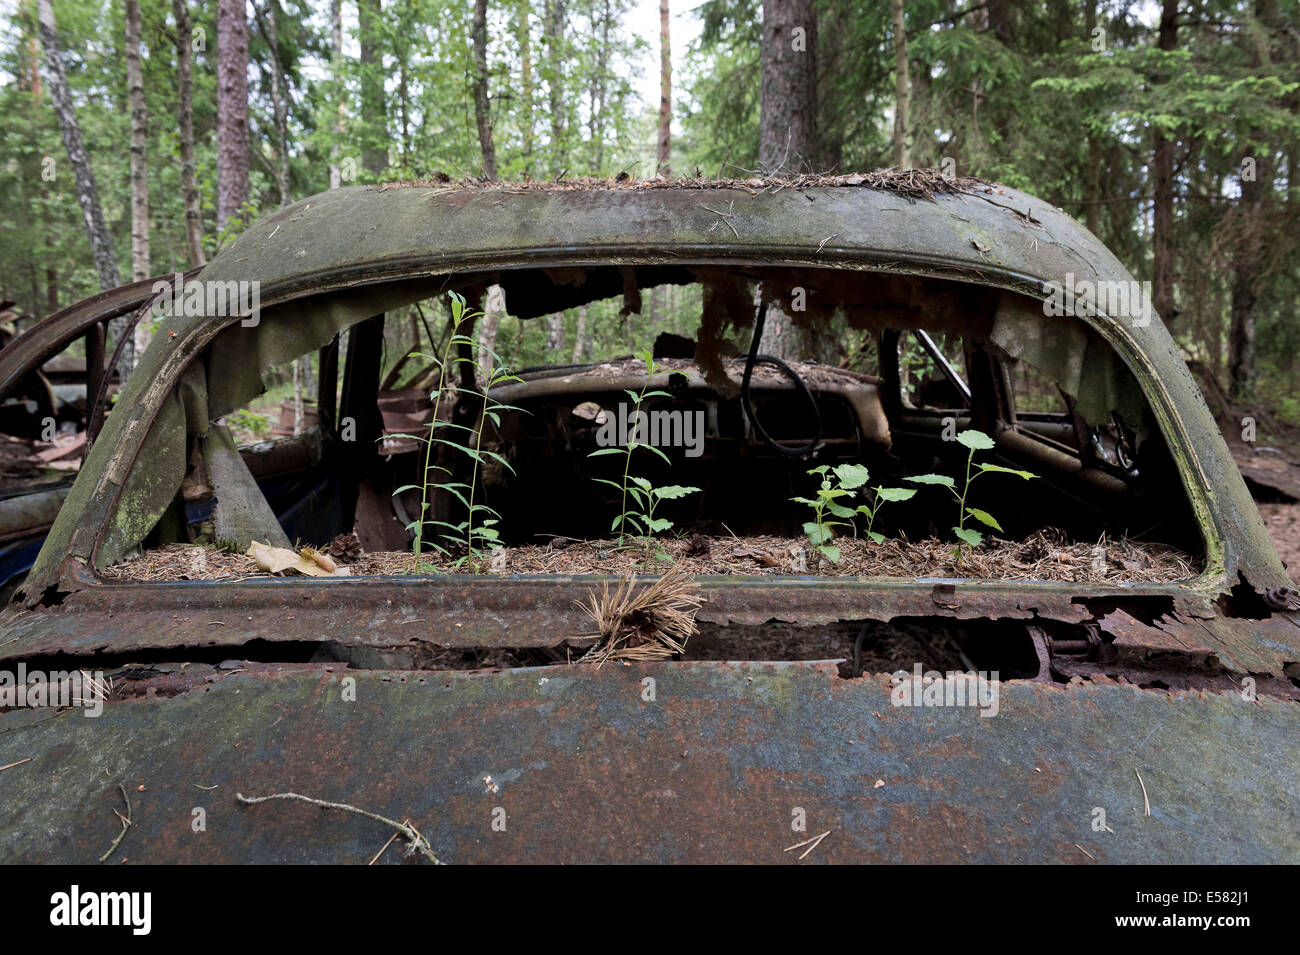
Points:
x=1042, y=556
x=912, y=184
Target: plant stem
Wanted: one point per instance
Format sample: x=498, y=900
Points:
x=428, y=446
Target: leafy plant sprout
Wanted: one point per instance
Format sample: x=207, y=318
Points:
x=974, y=441
x=485, y=534
x=643, y=493
x=836, y=483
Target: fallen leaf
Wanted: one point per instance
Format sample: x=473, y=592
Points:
x=277, y=560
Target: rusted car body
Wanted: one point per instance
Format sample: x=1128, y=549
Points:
x=1170, y=705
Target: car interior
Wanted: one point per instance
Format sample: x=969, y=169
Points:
x=928, y=358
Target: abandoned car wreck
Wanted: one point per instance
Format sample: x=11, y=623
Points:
x=455, y=538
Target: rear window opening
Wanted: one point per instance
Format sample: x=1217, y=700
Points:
x=886, y=375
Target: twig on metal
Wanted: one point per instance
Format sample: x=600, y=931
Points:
x=124, y=820
x=415, y=841
x=815, y=842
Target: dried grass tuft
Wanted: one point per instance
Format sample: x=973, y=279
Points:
x=652, y=623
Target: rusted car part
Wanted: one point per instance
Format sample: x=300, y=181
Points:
x=725, y=744
x=701, y=775
x=33, y=363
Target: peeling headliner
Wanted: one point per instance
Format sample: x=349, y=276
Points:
x=367, y=234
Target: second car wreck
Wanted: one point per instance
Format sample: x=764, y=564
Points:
x=1168, y=588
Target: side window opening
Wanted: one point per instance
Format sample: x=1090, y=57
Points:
x=535, y=459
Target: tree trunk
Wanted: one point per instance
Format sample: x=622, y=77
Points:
x=101, y=245
x=185, y=124
x=787, y=128
x=374, y=154
x=554, y=29
x=489, y=326
x=902, y=92
x=267, y=26
x=139, y=145
x=232, y=111
x=1162, y=214
x=482, y=116
x=139, y=163
x=336, y=16
x=554, y=333
x=526, y=81
x=665, y=91
x=579, y=336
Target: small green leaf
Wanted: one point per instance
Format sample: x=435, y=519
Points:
x=839, y=510
x=852, y=475
x=975, y=440
x=640, y=482
x=1001, y=470
x=596, y=454
x=895, y=493
x=658, y=524
x=818, y=533
x=931, y=479
x=830, y=553
x=876, y=536
x=673, y=492
x=984, y=517
x=974, y=538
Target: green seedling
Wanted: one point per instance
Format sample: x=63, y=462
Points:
x=639, y=519
x=479, y=530
x=974, y=441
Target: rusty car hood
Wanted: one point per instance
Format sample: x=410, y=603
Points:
x=581, y=769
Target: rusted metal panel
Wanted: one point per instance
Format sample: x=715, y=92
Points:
x=486, y=610
x=586, y=769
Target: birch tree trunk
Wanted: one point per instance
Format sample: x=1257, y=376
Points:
x=101, y=244
x=185, y=124
x=232, y=110
x=579, y=336
x=554, y=333
x=489, y=325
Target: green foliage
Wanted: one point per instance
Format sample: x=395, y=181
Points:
x=478, y=531
x=645, y=496
x=973, y=441
x=639, y=517
x=837, y=483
